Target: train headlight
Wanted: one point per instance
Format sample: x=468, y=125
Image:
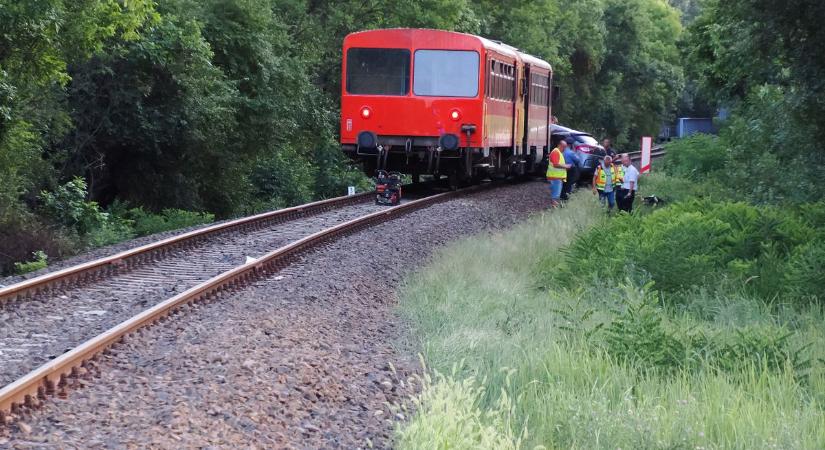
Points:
x=455, y=115
x=366, y=112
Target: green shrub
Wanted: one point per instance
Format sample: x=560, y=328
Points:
x=639, y=336
x=146, y=223
x=805, y=274
x=646, y=336
x=112, y=231
x=673, y=189
x=67, y=206
x=736, y=350
x=698, y=157
x=284, y=177
x=703, y=243
x=22, y=234
x=40, y=261
x=335, y=173
x=770, y=163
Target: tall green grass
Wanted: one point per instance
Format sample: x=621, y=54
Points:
x=522, y=363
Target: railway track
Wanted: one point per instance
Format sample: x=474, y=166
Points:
x=132, y=258
x=145, y=278
x=656, y=152
x=62, y=309
x=87, y=304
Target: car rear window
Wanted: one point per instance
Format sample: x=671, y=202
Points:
x=378, y=71
x=446, y=73
x=586, y=139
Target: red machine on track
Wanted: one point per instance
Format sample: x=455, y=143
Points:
x=437, y=102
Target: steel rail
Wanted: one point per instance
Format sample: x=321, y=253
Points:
x=45, y=380
x=131, y=258
x=654, y=153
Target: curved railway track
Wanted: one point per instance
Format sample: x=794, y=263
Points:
x=74, y=304
x=165, y=277
x=138, y=256
x=318, y=226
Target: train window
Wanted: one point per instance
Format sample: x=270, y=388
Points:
x=378, y=71
x=491, y=77
x=508, y=83
x=539, y=87
x=446, y=73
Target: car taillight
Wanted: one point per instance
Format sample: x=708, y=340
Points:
x=455, y=114
x=584, y=148
x=366, y=112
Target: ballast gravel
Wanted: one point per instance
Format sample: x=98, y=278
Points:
x=36, y=330
x=306, y=358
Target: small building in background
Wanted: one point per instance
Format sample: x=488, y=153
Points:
x=685, y=126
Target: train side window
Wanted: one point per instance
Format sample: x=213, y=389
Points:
x=510, y=83
x=493, y=79
x=486, y=82
x=540, y=86
x=541, y=94
x=506, y=93
x=502, y=93
x=497, y=84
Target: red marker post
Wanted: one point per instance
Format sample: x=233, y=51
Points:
x=647, y=145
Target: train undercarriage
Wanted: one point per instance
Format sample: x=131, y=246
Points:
x=461, y=166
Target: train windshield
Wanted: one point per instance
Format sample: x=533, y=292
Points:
x=446, y=73
x=378, y=71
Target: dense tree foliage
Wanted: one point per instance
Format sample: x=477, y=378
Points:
x=230, y=106
x=766, y=62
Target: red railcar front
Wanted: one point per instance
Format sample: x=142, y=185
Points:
x=430, y=101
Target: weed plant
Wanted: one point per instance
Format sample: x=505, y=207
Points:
x=577, y=331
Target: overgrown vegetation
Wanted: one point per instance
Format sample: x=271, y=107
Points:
x=698, y=324
x=694, y=325
x=229, y=107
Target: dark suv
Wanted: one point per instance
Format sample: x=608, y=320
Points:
x=588, y=148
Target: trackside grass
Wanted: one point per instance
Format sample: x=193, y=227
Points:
x=515, y=360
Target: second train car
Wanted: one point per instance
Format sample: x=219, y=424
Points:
x=437, y=102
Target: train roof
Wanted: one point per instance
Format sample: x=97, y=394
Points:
x=486, y=43
x=534, y=61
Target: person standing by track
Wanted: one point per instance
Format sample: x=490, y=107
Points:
x=605, y=180
x=557, y=173
x=608, y=148
x=570, y=157
x=626, y=194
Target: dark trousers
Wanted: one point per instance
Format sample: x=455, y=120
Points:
x=572, y=178
x=625, y=204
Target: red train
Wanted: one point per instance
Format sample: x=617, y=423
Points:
x=423, y=101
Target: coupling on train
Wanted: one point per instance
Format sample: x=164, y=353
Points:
x=435, y=102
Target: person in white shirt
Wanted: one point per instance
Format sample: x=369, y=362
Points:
x=627, y=192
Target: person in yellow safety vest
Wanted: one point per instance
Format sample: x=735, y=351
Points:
x=557, y=173
x=606, y=179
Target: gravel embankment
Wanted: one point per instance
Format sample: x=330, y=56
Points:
x=35, y=331
x=300, y=360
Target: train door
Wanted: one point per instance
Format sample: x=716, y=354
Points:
x=526, y=94
x=519, y=107
x=489, y=64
